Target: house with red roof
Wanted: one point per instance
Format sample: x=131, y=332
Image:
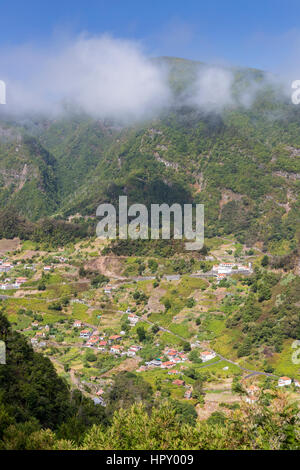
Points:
x=284, y=381
x=178, y=382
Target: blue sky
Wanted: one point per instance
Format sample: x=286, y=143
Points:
x=263, y=34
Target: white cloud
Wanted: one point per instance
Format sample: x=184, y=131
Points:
x=212, y=90
x=103, y=76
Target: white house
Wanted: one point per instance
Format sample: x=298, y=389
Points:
x=207, y=355
x=135, y=348
x=92, y=341
x=131, y=353
x=5, y=267
x=102, y=345
x=85, y=334
x=220, y=277
x=9, y=286
x=116, y=349
x=154, y=363
x=133, y=319
x=284, y=381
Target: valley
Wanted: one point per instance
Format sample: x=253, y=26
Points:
x=166, y=320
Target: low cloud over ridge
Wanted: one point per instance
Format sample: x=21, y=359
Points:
x=107, y=77
x=104, y=77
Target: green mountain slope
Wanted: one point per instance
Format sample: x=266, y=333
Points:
x=243, y=163
x=28, y=175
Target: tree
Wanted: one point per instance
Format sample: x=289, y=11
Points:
x=128, y=388
x=141, y=333
x=155, y=328
x=198, y=392
x=265, y=261
x=190, y=302
x=186, y=346
x=194, y=356
x=236, y=386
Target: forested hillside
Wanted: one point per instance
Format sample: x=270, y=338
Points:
x=242, y=162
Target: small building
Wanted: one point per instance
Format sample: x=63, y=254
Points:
x=135, y=348
x=284, y=381
x=99, y=401
x=85, y=334
x=168, y=364
x=178, y=382
x=102, y=345
x=40, y=334
x=131, y=353
x=114, y=339
x=47, y=268
x=220, y=277
x=154, y=363
x=171, y=355
x=116, y=349
x=8, y=286
x=21, y=280
x=5, y=267
x=92, y=341
x=133, y=319
x=252, y=394
x=77, y=324
x=251, y=399
x=207, y=355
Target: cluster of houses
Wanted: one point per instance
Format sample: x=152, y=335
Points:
x=177, y=381
x=8, y=284
x=253, y=391
x=174, y=357
x=39, y=338
x=104, y=344
x=223, y=270
x=5, y=267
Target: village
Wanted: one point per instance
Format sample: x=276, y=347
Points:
x=91, y=333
